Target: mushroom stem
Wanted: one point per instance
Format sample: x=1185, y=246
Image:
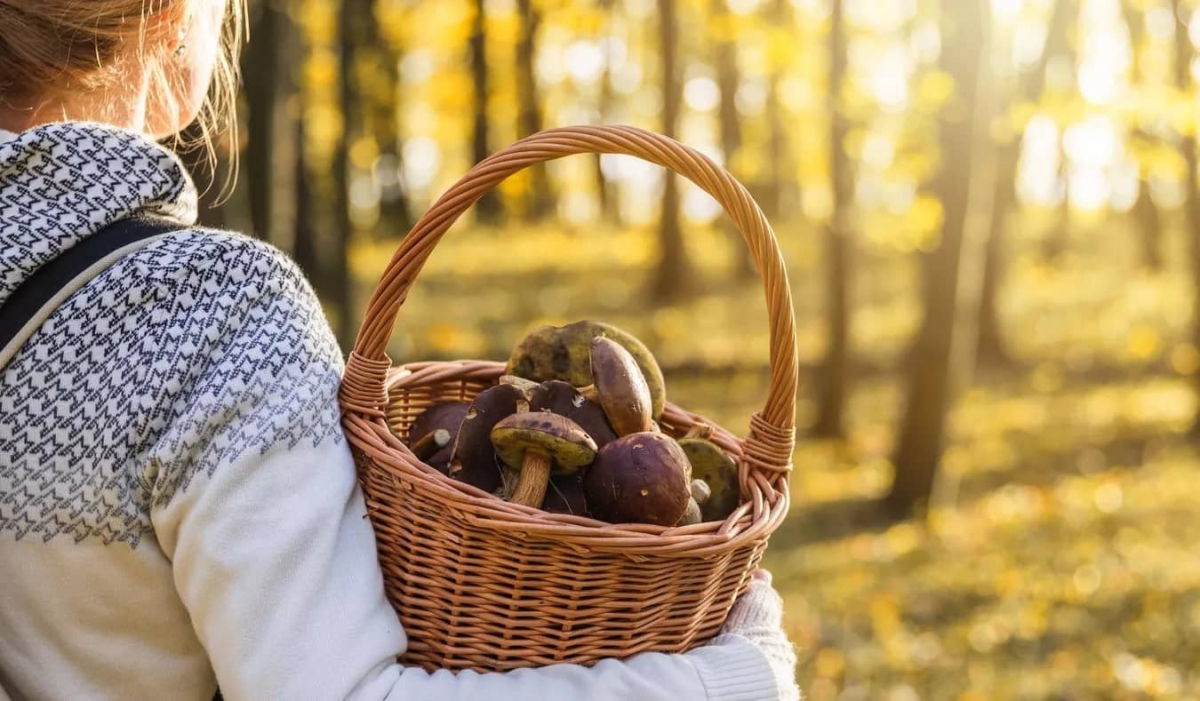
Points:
x=535, y=477
x=700, y=430
x=430, y=444
x=519, y=382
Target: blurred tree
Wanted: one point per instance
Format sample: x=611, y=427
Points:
x=489, y=209
x=783, y=187
x=1145, y=212
x=606, y=194
x=334, y=268
x=206, y=171
x=729, y=78
x=673, y=280
x=268, y=68
x=1066, y=55
x=1184, y=56
x=305, y=250
x=382, y=94
x=991, y=348
x=529, y=106
x=932, y=375
x=838, y=237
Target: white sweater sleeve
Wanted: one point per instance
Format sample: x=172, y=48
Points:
x=257, y=505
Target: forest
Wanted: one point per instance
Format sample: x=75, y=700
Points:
x=991, y=219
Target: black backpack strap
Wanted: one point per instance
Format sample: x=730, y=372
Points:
x=50, y=285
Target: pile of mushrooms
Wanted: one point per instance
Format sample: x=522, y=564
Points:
x=572, y=428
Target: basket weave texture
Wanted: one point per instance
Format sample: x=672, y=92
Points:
x=487, y=585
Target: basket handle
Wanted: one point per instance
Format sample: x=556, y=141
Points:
x=772, y=430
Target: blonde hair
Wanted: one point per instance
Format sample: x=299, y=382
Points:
x=50, y=47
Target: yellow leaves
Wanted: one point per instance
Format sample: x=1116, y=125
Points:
x=934, y=89
x=1185, y=360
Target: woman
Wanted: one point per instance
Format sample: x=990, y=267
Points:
x=178, y=507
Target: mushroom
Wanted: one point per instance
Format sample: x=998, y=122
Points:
x=561, y=398
x=564, y=353
x=719, y=472
x=536, y=442
x=640, y=478
x=433, y=432
x=699, y=494
x=474, y=459
x=619, y=386
x=565, y=495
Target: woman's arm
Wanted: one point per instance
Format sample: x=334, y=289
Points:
x=257, y=505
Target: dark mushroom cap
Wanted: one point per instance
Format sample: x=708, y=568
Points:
x=692, y=515
x=558, y=437
x=474, y=459
x=639, y=478
x=719, y=472
x=561, y=398
x=564, y=353
x=620, y=387
x=565, y=495
x=445, y=415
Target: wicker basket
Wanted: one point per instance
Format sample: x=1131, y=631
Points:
x=487, y=585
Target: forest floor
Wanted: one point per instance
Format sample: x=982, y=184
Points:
x=1061, y=558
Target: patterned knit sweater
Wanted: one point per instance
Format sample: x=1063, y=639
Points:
x=177, y=500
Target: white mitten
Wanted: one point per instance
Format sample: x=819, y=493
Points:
x=758, y=617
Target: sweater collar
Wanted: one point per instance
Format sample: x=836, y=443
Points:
x=63, y=182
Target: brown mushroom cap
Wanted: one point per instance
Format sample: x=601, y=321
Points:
x=692, y=515
x=536, y=443
x=445, y=415
x=561, y=398
x=620, y=387
x=719, y=472
x=639, y=478
x=565, y=495
x=474, y=458
x=562, y=353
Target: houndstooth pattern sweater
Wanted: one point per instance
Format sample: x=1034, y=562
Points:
x=177, y=499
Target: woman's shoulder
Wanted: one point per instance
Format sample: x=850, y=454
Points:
x=228, y=284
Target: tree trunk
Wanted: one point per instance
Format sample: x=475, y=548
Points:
x=835, y=374
x=488, y=210
x=1184, y=54
x=338, y=293
x=729, y=78
x=529, y=110
x=270, y=155
x=395, y=211
x=205, y=170
x=991, y=348
x=783, y=188
x=674, y=279
x=932, y=379
x=305, y=250
x=1145, y=212
x=605, y=197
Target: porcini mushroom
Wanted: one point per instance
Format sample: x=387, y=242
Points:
x=536, y=442
x=639, y=478
x=565, y=495
x=433, y=432
x=564, y=353
x=474, y=458
x=699, y=495
x=561, y=398
x=619, y=386
x=719, y=472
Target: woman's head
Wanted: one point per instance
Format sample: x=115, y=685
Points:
x=147, y=65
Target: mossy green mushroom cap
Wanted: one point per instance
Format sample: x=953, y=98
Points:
x=536, y=442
